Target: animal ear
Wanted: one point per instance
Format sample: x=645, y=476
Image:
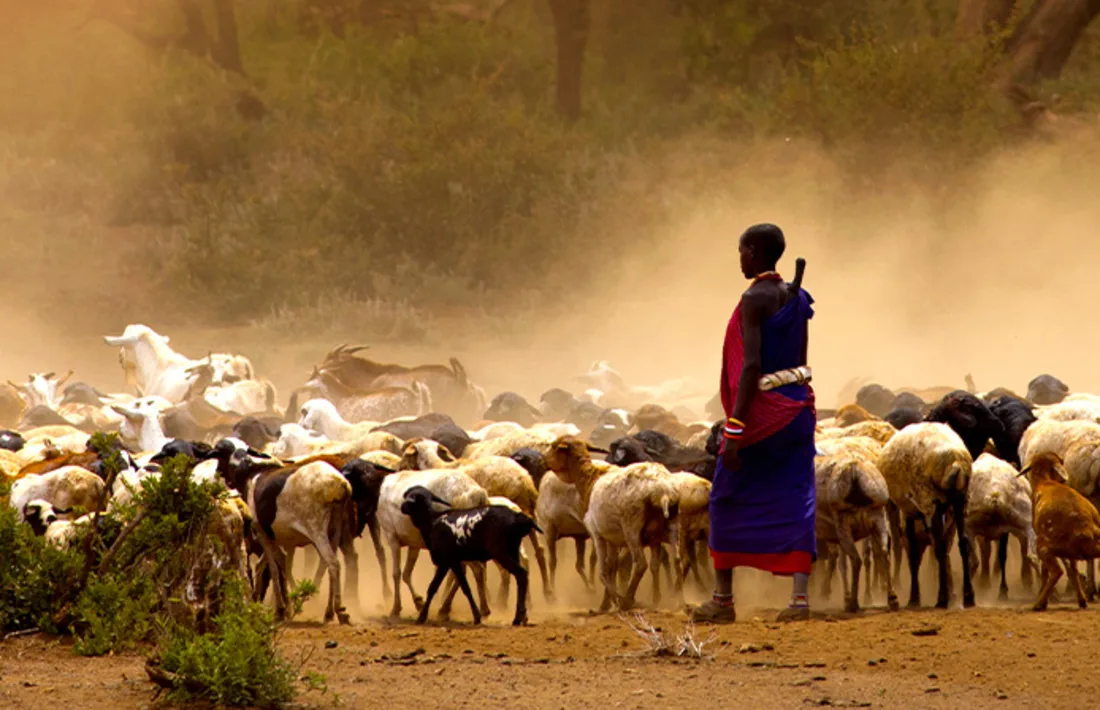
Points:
x=440, y=501
x=384, y=469
x=596, y=449
x=617, y=455
x=445, y=454
x=48, y=375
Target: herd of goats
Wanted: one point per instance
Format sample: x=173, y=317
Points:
x=421, y=459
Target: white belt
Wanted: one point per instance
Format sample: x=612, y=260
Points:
x=795, y=375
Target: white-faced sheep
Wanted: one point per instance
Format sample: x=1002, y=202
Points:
x=44, y=521
x=66, y=488
x=558, y=512
x=927, y=470
x=480, y=534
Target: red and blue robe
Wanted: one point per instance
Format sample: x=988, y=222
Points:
x=762, y=514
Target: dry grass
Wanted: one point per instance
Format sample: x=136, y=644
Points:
x=662, y=643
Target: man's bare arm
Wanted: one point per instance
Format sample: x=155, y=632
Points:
x=752, y=318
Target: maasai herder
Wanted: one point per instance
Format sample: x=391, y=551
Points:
x=763, y=499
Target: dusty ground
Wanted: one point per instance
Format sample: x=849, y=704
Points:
x=978, y=659
x=995, y=656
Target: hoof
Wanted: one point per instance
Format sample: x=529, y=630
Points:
x=344, y=618
x=486, y=611
x=1002, y=596
x=477, y=621
x=395, y=614
x=968, y=602
x=942, y=603
x=1039, y=607
x=519, y=621
x=1083, y=604
x=892, y=604
x=418, y=602
x=851, y=606
x=913, y=604
x=329, y=616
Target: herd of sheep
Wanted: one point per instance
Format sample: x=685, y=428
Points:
x=421, y=459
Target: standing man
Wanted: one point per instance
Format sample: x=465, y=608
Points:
x=763, y=498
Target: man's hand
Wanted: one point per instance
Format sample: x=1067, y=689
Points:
x=730, y=458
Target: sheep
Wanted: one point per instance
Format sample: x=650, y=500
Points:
x=66, y=488
x=295, y=440
x=475, y=534
x=909, y=400
x=257, y=432
x=899, y=418
x=558, y=512
x=12, y=405
x=653, y=446
x=421, y=427
x=693, y=523
x=927, y=470
x=498, y=475
x=1016, y=417
x=880, y=431
x=998, y=504
x=295, y=507
x=11, y=440
x=612, y=424
x=851, y=414
x=1078, y=410
x=851, y=505
x=1046, y=389
x=398, y=532
x=970, y=418
x=556, y=404
x=876, y=399
x=44, y=521
x=511, y=407
x=146, y=422
x=1067, y=526
x=633, y=507
x=540, y=441
x=321, y=416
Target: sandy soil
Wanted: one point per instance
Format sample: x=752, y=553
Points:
x=980, y=658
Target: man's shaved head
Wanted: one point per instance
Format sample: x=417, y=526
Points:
x=767, y=242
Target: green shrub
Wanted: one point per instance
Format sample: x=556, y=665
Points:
x=36, y=581
x=236, y=664
x=114, y=613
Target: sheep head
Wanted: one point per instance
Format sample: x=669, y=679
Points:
x=422, y=454
x=1047, y=466
x=570, y=458
x=851, y=414
x=419, y=501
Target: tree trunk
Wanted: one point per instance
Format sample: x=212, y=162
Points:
x=982, y=16
x=227, y=50
x=1042, y=43
x=571, y=24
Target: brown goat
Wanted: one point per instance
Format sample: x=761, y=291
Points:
x=851, y=414
x=1066, y=524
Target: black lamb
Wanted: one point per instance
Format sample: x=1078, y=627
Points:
x=648, y=445
x=511, y=407
x=902, y=417
x=1016, y=416
x=453, y=537
x=969, y=418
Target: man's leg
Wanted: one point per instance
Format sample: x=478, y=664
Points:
x=799, y=608
x=719, y=610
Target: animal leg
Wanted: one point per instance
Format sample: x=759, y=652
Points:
x=437, y=579
x=637, y=554
x=505, y=586
x=540, y=560
x=1027, y=558
x=380, y=555
x=579, y=544
x=351, y=571
x=1051, y=573
x=521, y=575
x=275, y=562
x=460, y=575
x=848, y=549
x=1090, y=574
x=552, y=549
x=335, y=592
x=916, y=551
x=1002, y=561
x=869, y=570
x=880, y=541
x=449, y=593
x=407, y=576
x=607, y=571
x=481, y=577
x=1075, y=577
x=395, y=555
x=893, y=516
x=959, y=505
x=939, y=542
x=983, y=554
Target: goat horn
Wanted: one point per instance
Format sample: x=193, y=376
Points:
x=13, y=385
x=65, y=379
x=437, y=499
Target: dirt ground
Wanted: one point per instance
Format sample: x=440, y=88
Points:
x=998, y=655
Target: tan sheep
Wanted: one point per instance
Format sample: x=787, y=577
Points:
x=927, y=471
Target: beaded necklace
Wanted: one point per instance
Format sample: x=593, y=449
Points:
x=766, y=276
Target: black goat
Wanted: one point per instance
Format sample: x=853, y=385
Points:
x=969, y=418
x=902, y=417
x=876, y=399
x=488, y=533
x=453, y=437
x=11, y=440
x=651, y=445
x=1016, y=416
x=533, y=462
x=908, y=400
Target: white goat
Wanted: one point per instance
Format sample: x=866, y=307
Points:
x=998, y=503
x=65, y=488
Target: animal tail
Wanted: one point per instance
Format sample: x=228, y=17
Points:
x=459, y=370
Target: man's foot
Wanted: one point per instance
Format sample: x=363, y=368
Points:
x=711, y=612
x=794, y=613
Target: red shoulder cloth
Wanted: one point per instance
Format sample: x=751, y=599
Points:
x=770, y=411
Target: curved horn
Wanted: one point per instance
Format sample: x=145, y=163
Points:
x=65, y=379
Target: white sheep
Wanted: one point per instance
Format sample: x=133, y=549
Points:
x=927, y=470
x=558, y=512
x=398, y=531
x=633, y=507
x=998, y=503
x=146, y=423
x=539, y=440
x=851, y=505
x=44, y=520
x=321, y=416
x=65, y=488
x=295, y=441
x=693, y=523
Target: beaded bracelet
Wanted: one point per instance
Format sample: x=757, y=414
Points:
x=734, y=429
